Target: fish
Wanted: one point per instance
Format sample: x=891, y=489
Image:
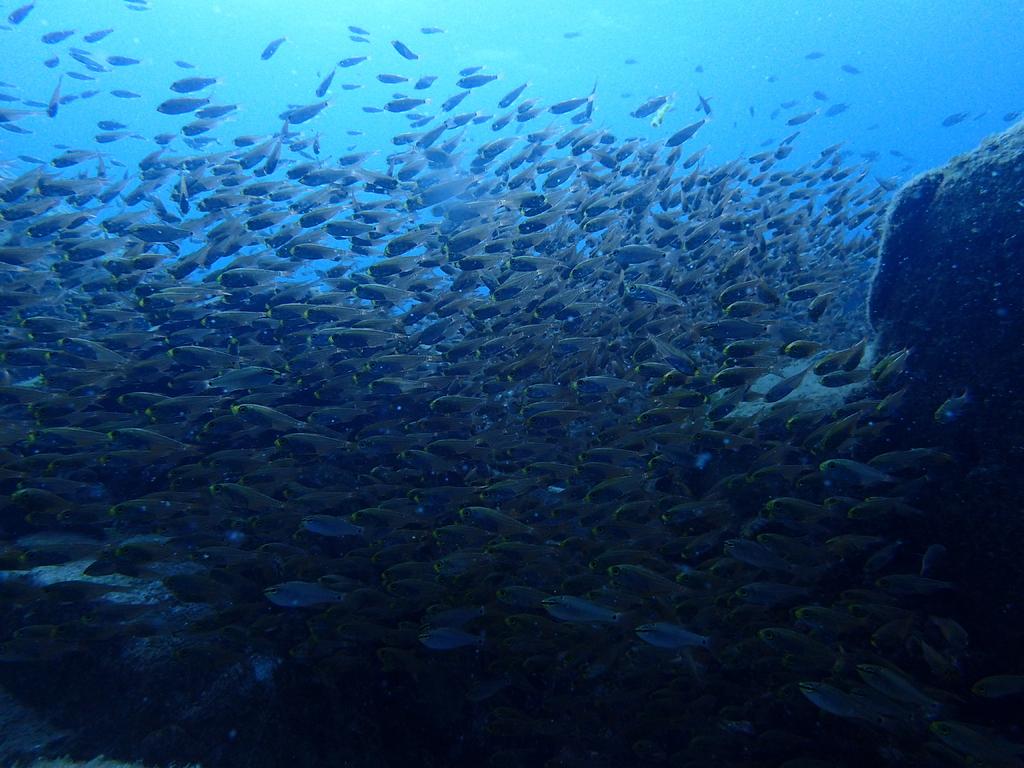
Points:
x=509, y=98
x=403, y=50
x=475, y=81
x=659, y=115
x=453, y=101
x=801, y=118
x=271, y=48
x=999, y=686
x=575, y=609
x=896, y=686
x=83, y=58
x=912, y=584
x=20, y=13
x=856, y=472
x=449, y=639
x=181, y=106
x=953, y=408
x=404, y=104
x=325, y=84
x=756, y=554
x=54, y=105
x=931, y=559
x=684, y=134
x=649, y=107
x=834, y=700
x=99, y=34
x=974, y=742
x=771, y=593
x=663, y=634
x=563, y=107
x=302, y=594
x=302, y=114
x=330, y=526
x=215, y=110
x=192, y=84
x=51, y=38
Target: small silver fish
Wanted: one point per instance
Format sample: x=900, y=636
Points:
x=576, y=609
x=331, y=526
x=662, y=634
x=301, y=594
x=448, y=639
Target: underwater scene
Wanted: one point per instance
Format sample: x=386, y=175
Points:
x=527, y=384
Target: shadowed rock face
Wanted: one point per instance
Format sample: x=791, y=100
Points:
x=950, y=287
x=950, y=281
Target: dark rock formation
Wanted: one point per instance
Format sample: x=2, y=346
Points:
x=950, y=283
x=950, y=287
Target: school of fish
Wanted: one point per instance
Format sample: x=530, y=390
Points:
x=577, y=441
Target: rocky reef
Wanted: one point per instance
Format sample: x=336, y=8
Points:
x=950, y=288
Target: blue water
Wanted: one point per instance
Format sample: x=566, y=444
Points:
x=919, y=62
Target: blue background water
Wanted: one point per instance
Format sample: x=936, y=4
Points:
x=919, y=62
